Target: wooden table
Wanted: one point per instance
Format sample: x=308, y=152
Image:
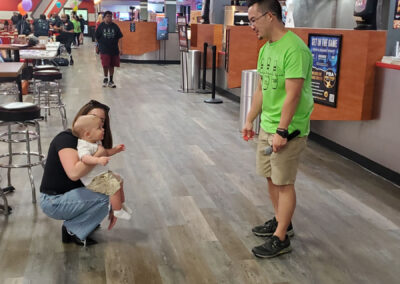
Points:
x=13, y=70
x=15, y=47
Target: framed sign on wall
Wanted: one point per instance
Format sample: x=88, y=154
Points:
x=325, y=51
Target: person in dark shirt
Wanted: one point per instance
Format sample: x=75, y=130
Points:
x=63, y=196
x=23, y=26
x=83, y=23
x=67, y=35
x=41, y=26
x=107, y=36
x=15, y=19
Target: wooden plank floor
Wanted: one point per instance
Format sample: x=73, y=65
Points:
x=192, y=182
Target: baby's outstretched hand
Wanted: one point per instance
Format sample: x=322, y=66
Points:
x=120, y=147
x=104, y=160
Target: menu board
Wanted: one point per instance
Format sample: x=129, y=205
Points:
x=162, y=28
x=182, y=31
x=325, y=50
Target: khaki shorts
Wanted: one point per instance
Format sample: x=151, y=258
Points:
x=107, y=183
x=281, y=167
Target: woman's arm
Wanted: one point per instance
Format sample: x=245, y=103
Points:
x=73, y=167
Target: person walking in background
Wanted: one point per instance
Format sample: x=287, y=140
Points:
x=107, y=36
x=15, y=19
x=67, y=35
x=77, y=29
x=23, y=26
x=83, y=23
x=41, y=26
x=284, y=99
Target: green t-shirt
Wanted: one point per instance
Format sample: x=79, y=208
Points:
x=77, y=26
x=287, y=58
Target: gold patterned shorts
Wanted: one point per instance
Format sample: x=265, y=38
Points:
x=107, y=183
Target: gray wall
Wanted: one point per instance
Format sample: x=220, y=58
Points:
x=324, y=13
x=393, y=35
x=217, y=11
x=40, y=9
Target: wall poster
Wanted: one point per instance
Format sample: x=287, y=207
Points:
x=396, y=20
x=325, y=50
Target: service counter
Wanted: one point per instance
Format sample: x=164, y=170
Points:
x=140, y=43
x=360, y=51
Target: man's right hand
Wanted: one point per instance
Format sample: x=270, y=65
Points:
x=247, y=131
x=104, y=160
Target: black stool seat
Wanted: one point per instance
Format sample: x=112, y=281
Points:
x=17, y=111
x=47, y=75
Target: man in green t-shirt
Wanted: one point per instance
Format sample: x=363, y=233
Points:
x=284, y=99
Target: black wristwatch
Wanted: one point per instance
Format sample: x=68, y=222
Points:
x=282, y=132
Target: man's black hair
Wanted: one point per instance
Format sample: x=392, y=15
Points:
x=272, y=6
x=43, y=17
x=107, y=13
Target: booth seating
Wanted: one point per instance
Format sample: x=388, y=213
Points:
x=20, y=118
x=48, y=93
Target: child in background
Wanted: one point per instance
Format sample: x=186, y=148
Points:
x=89, y=129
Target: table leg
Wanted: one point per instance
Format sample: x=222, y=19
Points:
x=16, y=55
x=19, y=83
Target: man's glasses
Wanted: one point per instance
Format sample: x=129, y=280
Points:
x=97, y=104
x=254, y=20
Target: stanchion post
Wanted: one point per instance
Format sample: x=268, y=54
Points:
x=205, y=65
x=213, y=100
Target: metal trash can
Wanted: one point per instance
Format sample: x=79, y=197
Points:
x=249, y=85
x=190, y=66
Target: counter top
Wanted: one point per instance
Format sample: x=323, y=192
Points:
x=387, y=65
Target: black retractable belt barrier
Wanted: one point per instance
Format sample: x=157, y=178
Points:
x=203, y=89
x=213, y=100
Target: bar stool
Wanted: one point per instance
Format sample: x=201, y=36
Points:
x=26, y=115
x=48, y=93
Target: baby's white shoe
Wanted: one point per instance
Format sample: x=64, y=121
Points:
x=122, y=214
x=127, y=208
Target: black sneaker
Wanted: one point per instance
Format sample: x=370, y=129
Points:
x=111, y=84
x=71, y=62
x=105, y=82
x=272, y=247
x=269, y=228
x=68, y=238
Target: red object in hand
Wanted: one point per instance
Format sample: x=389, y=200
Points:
x=247, y=137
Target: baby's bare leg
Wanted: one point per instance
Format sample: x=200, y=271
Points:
x=116, y=200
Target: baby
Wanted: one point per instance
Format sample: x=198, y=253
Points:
x=89, y=129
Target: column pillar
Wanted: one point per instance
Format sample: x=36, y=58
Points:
x=170, y=12
x=143, y=10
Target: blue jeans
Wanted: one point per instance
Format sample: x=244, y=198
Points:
x=81, y=209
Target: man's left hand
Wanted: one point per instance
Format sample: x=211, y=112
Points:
x=278, y=142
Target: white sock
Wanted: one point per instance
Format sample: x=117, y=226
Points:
x=122, y=214
x=127, y=208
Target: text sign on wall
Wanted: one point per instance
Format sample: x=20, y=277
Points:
x=325, y=50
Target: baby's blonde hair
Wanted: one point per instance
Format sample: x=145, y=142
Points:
x=84, y=123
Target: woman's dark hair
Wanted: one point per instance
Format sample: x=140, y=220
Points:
x=264, y=6
x=93, y=104
x=6, y=23
x=107, y=13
